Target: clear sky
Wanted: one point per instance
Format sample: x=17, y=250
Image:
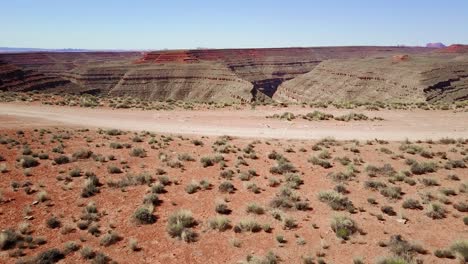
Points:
x=173, y=24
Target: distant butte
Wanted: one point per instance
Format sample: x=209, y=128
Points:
x=437, y=45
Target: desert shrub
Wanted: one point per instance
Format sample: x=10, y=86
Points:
x=115, y=145
x=227, y=174
x=114, y=170
x=114, y=132
x=340, y=188
x=91, y=187
x=374, y=185
x=179, y=225
x=289, y=223
x=164, y=180
x=423, y=168
x=255, y=209
x=87, y=253
x=269, y=258
x=71, y=246
x=412, y=204
x=220, y=223
x=138, y=152
x=283, y=166
x=226, y=187
x=343, y=226
x=151, y=199
x=386, y=170
x=76, y=172
x=133, y=244
x=49, y=256
x=53, y=222
x=205, y=184
x=101, y=258
x=287, y=199
x=461, y=206
x=293, y=180
x=42, y=196
x=336, y=201
x=447, y=141
x=82, y=154
x=247, y=225
x=110, y=239
x=317, y=116
x=143, y=215
x=253, y=188
x=137, y=139
x=222, y=208
x=392, y=192
x=429, y=182
x=403, y=249
x=452, y=164
x=28, y=162
x=388, y=210
x=461, y=249
x=323, y=163
x=436, y=211
x=62, y=159
x=392, y=260
x=351, y=117
x=444, y=253
x=185, y=157
x=9, y=238
x=448, y=191
x=211, y=160
x=193, y=187
x=197, y=142
x=158, y=188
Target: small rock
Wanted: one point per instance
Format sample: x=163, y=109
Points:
x=402, y=221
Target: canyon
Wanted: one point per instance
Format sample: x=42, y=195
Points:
x=246, y=75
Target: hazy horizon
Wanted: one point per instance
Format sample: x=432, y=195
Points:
x=156, y=25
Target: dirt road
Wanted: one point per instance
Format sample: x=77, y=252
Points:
x=398, y=125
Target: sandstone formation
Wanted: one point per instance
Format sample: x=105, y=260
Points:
x=404, y=78
x=13, y=78
x=243, y=75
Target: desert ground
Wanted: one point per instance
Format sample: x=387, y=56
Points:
x=236, y=185
x=396, y=124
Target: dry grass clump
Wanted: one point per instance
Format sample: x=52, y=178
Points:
x=179, y=225
x=247, y=225
x=144, y=215
x=336, y=201
x=423, y=168
x=220, y=223
x=287, y=199
x=436, y=211
x=343, y=226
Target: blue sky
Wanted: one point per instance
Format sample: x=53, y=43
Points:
x=145, y=24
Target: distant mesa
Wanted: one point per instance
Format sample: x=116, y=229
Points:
x=437, y=45
x=455, y=48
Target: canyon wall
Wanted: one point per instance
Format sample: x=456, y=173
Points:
x=243, y=75
x=404, y=78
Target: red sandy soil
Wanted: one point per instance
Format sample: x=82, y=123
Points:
x=397, y=124
x=117, y=206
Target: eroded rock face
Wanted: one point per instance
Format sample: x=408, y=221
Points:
x=13, y=78
x=239, y=75
x=404, y=79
